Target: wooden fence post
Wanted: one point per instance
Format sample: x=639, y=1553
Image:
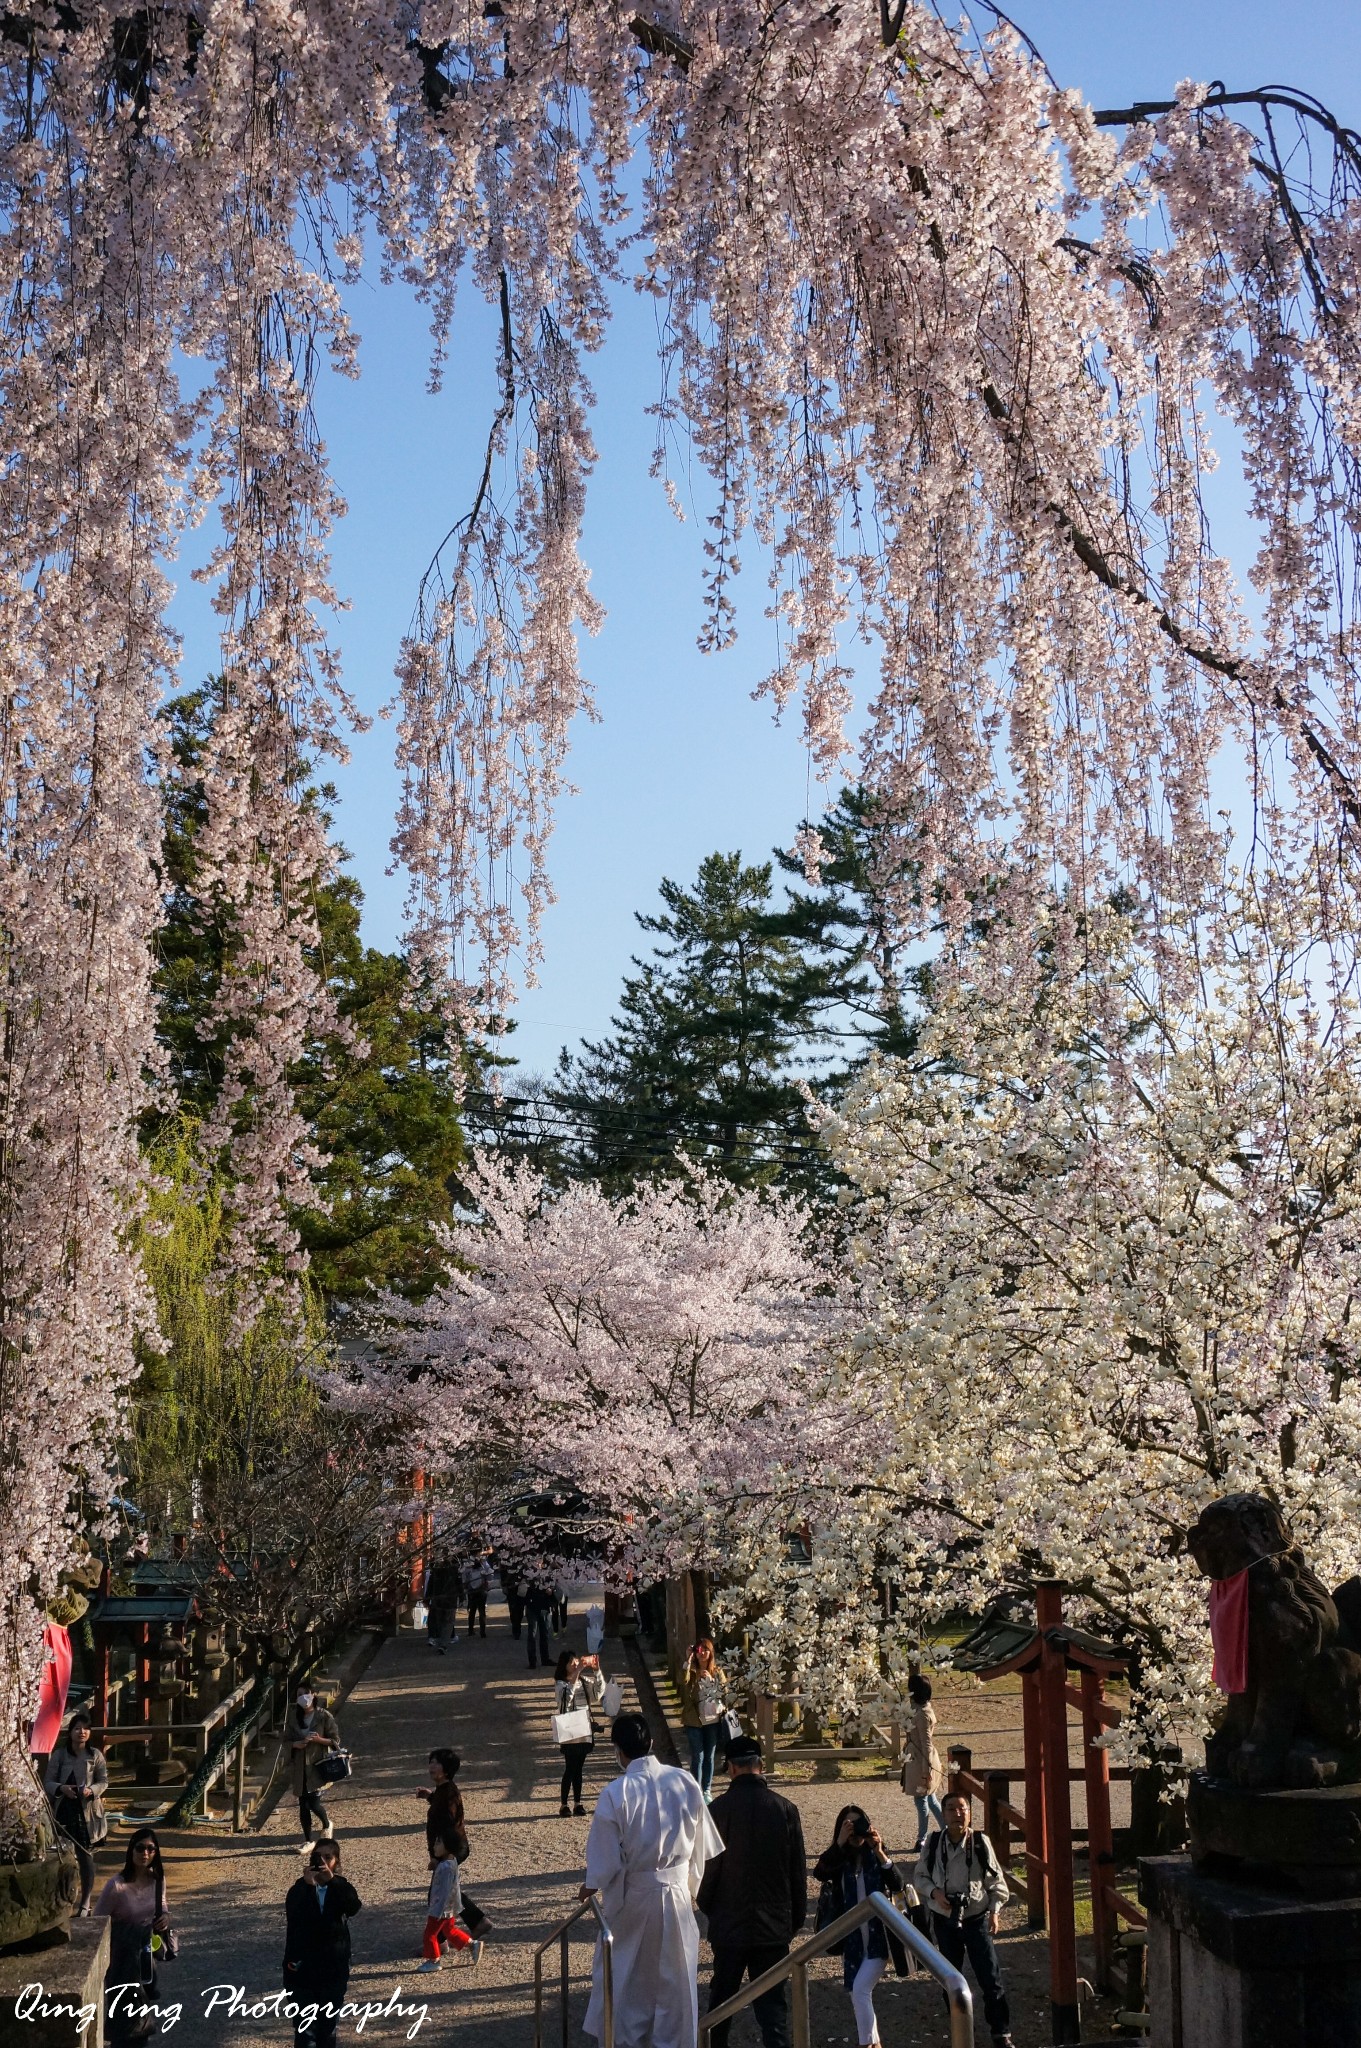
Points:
x=765, y=1730
x=1036, y=1817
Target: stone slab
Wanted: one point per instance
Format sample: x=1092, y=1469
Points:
x=1233, y=1965
x=1311, y=1837
x=42, y=1995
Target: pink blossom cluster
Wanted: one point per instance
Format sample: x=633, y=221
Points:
x=648, y=1352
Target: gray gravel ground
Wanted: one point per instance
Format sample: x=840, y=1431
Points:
x=525, y=1865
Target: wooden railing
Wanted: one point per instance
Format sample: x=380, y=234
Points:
x=992, y=1789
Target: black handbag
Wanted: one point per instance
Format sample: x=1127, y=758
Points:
x=335, y=1767
x=72, y=1818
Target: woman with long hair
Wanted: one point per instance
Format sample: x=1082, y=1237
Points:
x=76, y=1780
x=703, y=1704
x=854, y=1864
x=135, y=1905
x=578, y=1685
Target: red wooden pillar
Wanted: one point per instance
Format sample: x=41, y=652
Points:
x=1100, y=1848
x=1036, y=1829
x=1053, y=1677
x=414, y=1536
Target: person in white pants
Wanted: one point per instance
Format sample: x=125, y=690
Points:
x=856, y=1863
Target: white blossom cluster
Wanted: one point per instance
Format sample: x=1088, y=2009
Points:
x=1104, y=1246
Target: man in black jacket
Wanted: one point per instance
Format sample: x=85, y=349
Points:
x=318, y=1911
x=755, y=1895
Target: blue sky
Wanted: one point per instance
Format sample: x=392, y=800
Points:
x=683, y=761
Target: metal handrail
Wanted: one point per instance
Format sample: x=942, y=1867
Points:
x=560, y=1935
x=795, y=1966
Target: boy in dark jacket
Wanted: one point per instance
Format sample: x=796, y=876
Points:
x=755, y=1895
x=318, y=1912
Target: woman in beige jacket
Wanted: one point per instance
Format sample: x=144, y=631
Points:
x=923, y=1774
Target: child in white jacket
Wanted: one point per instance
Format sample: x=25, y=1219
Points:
x=443, y=1906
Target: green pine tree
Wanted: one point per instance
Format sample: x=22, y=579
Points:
x=703, y=1052
x=861, y=993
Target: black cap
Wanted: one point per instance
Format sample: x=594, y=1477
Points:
x=744, y=1749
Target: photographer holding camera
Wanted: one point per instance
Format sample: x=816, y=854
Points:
x=959, y=1875
x=858, y=1863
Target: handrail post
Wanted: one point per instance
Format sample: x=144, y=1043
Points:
x=538, y=1998
x=566, y=2022
x=239, y=1784
x=800, y=2019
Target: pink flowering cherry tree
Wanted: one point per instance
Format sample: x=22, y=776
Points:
x=644, y=1350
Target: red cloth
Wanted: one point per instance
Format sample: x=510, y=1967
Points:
x=56, y=1681
x=447, y=1932
x=1229, y=1631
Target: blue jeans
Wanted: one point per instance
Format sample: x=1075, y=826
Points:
x=703, y=1744
x=927, y=1803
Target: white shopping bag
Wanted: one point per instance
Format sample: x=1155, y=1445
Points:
x=612, y=1699
x=573, y=1727
x=595, y=1629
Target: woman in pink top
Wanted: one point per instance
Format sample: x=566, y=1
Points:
x=135, y=1904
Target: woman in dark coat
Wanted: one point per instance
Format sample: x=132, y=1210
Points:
x=855, y=1864
x=444, y=1821
x=318, y=1912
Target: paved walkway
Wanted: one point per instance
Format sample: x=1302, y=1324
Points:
x=525, y=1865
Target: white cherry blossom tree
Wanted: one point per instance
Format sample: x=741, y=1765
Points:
x=1105, y=1246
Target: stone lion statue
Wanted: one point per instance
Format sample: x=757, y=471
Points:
x=1298, y=1722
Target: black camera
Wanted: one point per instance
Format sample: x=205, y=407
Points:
x=956, y=1909
x=860, y=1829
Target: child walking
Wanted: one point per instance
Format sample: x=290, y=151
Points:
x=442, y=1909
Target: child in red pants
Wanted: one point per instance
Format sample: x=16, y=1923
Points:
x=445, y=1902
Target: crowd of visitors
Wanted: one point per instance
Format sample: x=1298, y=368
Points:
x=661, y=1851
x=658, y=1854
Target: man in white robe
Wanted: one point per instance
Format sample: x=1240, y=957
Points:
x=645, y=1855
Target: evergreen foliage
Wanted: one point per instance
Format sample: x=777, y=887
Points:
x=746, y=1006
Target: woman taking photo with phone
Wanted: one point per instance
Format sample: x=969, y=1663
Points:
x=702, y=1690
x=578, y=1685
x=856, y=1864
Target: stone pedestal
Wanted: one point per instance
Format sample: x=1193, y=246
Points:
x=1239, y=1965
x=42, y=1995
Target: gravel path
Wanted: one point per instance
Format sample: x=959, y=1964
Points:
x=482, y=1700
x=525, y=1865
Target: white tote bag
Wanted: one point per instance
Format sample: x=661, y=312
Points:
x=612, y=1699
x=573, y=1727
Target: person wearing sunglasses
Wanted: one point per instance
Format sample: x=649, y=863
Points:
x=139, y=1932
